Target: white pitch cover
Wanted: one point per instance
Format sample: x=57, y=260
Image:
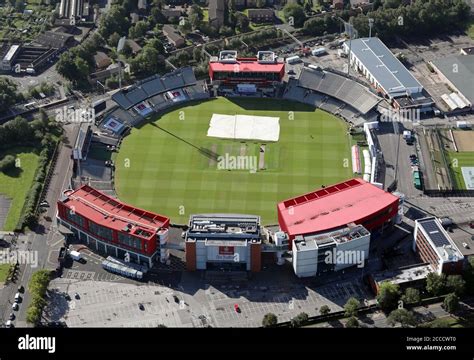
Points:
x=244, y=127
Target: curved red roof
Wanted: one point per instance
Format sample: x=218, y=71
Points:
x=334, y=206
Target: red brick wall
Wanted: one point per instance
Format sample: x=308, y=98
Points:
x=191, y=256
x=255, y=257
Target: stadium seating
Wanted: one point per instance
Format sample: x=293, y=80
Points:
x=339, y=87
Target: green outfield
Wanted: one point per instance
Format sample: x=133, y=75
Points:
x=170, y=166
x=457, y=160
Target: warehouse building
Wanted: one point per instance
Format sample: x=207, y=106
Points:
x=223, y=242
x=458, y=73
x=387, y=74
x=113, y=228
x=434, y=246
x=9, y=58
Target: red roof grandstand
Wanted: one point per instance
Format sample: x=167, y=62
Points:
x=86, y=206
x=247, y=65
x=245, y=69
x=352, y=201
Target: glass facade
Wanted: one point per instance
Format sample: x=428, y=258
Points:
x=222, y=75
x=129, y=240
x=101, y=231
x=75, y=218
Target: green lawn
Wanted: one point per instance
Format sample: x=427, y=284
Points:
x=4, y=272
x=15, y=184
x=465, y=158
x=167, y=166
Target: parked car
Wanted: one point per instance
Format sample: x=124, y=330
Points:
x=141, y=307
x=9, y=324
x=17, y=297
x=11, y=316
x=21, y=289
x=67, y=297
x=237, y=308
x=76, y=296
x=15, y=306
x=44, y=204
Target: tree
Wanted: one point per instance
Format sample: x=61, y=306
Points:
x=185, y=27
x=402, y=316
x=352, y=322
x=8, y=94
x=156, y=44
x=451, y=303
x=294, y=14
x=196, y=10
x=126, y=50
x=468, y=275
x=7, y=163
x=411, y=296
x=299, y=320
x=242, y=22
x=324, y=310
x=351, y=307
x=114, y=20
x=435, y=284
x=33, y=315
x=113, y=40
x=269, y=320
x=388, y=296
x=20, y=5
x=455, y=284
x=138, y=30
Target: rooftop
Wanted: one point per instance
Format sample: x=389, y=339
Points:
x=403, y=275
x=229, y=62
x=345, y=234
x=334, y=206
x=389, y=72
x=439, y=239
x=463, y=79
x=111, y=213
x=11, y=52
x=235, y=226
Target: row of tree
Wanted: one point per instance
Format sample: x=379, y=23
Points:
x=38, y=286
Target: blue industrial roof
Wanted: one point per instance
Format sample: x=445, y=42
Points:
x=389, y=72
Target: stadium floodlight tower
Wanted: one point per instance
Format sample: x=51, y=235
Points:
x=352, y=32
x=371, y=23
